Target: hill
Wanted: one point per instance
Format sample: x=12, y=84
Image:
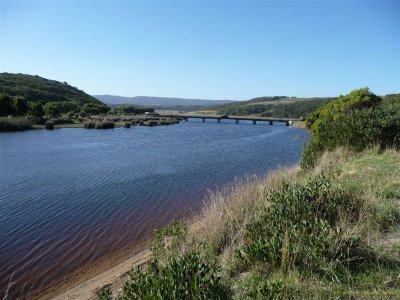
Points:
x=277, y=106
x=158, y=101
x=39, y=89
x=22, y=94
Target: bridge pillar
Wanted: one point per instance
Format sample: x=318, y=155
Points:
x=271, y=122
x=254, y=122
x=204, y=119
x=219, y=120
x=236, y=121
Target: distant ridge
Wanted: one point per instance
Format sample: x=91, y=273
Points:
x=158, y=101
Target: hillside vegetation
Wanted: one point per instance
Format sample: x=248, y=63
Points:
x=328, y=230
x=22, y=94
x=278, y=107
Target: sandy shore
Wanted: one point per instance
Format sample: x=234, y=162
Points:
x=114, y=277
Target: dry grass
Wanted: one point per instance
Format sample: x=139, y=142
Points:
x=226, y=213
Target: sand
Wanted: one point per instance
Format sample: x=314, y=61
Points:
x=114, y=277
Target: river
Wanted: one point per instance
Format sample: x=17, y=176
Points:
x=71, y=197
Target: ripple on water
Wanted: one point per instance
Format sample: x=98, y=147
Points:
x=72, y=196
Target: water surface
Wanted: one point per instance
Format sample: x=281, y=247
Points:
x=72, y=196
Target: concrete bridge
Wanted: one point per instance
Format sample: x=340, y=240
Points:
x=269, y=121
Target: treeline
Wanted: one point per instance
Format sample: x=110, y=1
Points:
x=19, y=106
x=356, y=121
x=277, y=106
x=130, y=109
x=39, y=89
x=23, y=94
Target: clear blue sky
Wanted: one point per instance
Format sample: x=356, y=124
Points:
x=212, y=50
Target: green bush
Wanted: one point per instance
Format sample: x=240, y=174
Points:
x=357, y=99
x=35, y=109
x=105, y=294
x=167, y=240
x=299, y=227
x=15, y=124
x=364, y=128
x=311, y=151
x=183, y=277
x=355, y=121
x=260, y=286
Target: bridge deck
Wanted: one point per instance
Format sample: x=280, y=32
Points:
x=230, y=118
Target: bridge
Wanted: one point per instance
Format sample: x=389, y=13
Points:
x=269, y=121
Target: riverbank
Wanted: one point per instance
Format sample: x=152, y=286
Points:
x=370, y=180
x=112, y=277
x=10, y=124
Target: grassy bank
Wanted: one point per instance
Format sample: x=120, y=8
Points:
x=331, y=231
x=328, y=230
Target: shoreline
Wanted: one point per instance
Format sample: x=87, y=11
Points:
x=100, y=275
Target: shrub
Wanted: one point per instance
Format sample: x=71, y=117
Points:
x=35, y=109
x=357, y=99
x=355, y=121
x=311, y=151
x=127, y=125
x=184, y=277
x=299, y=227
x=104, y=125
x=364, y=128
x=14, y=124
x=105, y=294
x=168, y=239
x=49, y=124
x=89, y=125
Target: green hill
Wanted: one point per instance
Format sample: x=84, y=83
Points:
x=39, y=89
x=20, y=92
x=277, y=106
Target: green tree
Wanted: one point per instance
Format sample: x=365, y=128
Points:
x=51, y=109
x=319, y=120
x=19, y=105
x=5, y=105
x=35, y=109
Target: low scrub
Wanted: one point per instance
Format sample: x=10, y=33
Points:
x=49, y=125
x=104, y=125
x=183, y=277
x=99, y=125
x=300, y=227
x=15, y=124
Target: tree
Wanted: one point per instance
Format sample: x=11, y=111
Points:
x=19, y=105
x=5, y=105
x=51, y=109
x=35, y=109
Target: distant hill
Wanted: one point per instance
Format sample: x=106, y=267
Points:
x=39, y=89
x=276, y=106
x=158, y=101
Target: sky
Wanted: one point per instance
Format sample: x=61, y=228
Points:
x=233, y=50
